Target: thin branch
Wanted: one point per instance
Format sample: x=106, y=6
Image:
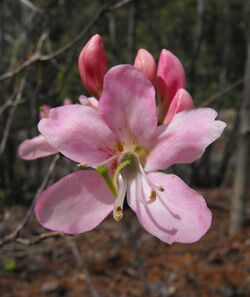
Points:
x=11, y=116
x=37, y=239
x=119, y=4
x=15, y=234
x=30, y=5
x=224, y=91
x=19, y=69
x=81, y=265
x=135, y=243
x=38, y=57
x=8, y=102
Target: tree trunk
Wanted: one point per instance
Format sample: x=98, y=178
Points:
x=242, y=158
x=131, y=31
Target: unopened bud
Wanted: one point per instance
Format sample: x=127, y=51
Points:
x=170, y=78
x=44, y=111
x=181, y=101
x=92, y=65
x=67, y=101
x=145, y=62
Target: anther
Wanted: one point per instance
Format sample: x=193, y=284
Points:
x=118, y=213
x=82, y=166
x=151, y=200
x=153, y=196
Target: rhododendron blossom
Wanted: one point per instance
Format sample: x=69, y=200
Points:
x=120, y=140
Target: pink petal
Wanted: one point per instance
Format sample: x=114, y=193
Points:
x=89, y=101
x=93, y=65
x=179, y=215
x=79, y=133
x=76, y=203
x=170, y=75
x=170, y=78
x=185, y=139
x=35, y=148
x=145, y=62
x=181, y=101
x=128, y=105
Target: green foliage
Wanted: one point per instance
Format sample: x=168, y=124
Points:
x=10, y=265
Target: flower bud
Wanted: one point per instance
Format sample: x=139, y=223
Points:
x=89, y=101
x=67, y=101
x=92, y=65
x=181, y=101
x=145, y=62
x=44, y=111
x=170, y=78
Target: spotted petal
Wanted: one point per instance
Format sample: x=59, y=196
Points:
x=179, y=214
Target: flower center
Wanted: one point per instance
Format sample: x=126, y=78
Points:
x=128, y=170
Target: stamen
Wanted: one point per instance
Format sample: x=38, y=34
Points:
x=141, y=194
x=118, y=206
x=103, y=170
x=148, y=180
x=82, y=166
x=118, y=213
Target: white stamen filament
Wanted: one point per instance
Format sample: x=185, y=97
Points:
x=148, y=180
x=118, y=205
x=141, y=194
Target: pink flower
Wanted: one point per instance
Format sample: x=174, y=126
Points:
x=120, y=140
x=38, y=147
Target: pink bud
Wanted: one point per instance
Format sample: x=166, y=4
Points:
x=145, y=62
x=181, y=101
x=170, y=78
x=89, y=101
x=67, y=101
x=44, y=111
x=92, y=65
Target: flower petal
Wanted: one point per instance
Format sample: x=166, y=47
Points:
x=181, y=101
x=89, y=101
x=185, y=139
x=35, y=148
x=79, y=133
x=145, y=62
x=179, y=214
x=170, y=76
x=127, y=104
x=76, y=203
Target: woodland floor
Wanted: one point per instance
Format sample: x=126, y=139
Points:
x=124, y=260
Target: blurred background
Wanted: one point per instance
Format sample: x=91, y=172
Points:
x=40, y=42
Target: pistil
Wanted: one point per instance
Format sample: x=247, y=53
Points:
x=103, y=170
